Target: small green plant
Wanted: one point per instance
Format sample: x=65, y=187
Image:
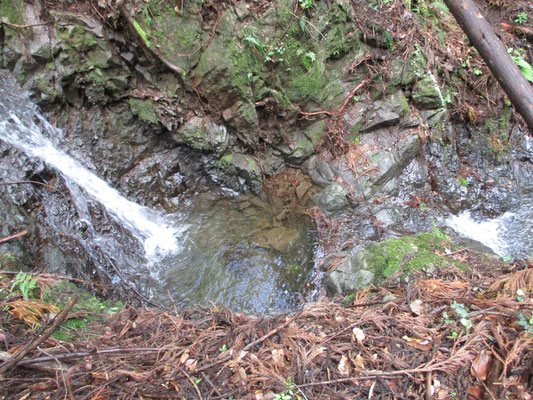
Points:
x=25, y=284
x=223, y=348
x=521, y=18
x=526, y=323
x=288, y=394
x=520, y=295
x=306, y=4
x=477, y=72
x=462, y=181
x=462, y=311
x=518, y=57
x=422, y=205
x=308, y=58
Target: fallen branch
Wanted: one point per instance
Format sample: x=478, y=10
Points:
x=15, y=236
x=81, y=354
x=58, y=320
x=22, y=26
x=339, y=110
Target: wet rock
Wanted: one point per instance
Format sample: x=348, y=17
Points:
x=302, y=144
x=203, y=134
x=282, y=239
x=350, y=276
x=404, y=74
x=426, y=94
x=332, y=199
x=241, y=169
x=386, y=112
x=319, y=170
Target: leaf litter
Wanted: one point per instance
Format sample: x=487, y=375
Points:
x=406, y=341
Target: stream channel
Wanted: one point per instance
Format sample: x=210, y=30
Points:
x=211, y=250
x=227, y=250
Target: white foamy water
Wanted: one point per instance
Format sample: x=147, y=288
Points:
x=147, y=225
x=490, y=232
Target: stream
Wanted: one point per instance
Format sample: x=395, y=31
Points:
x=211, y=250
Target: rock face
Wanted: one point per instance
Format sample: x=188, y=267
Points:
x=199, y=97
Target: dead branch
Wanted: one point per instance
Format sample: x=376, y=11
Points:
x=58, y=320
x=15, y=236
x=339, y=110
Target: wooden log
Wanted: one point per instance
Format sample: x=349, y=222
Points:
x=494, y=52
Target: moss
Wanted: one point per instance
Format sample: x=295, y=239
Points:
x=13, y=10
x=409, y=253
x=90, y=308
x=144, y=109
x=225, y=161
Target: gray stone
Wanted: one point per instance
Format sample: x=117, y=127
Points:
x=426, y=94
x=203, y=134
x=350, y=276
x=386, y=112
x=332, y=198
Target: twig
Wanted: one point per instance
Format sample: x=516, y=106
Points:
x=15, y=236
x=81, y=354
x=194, y=384
x=46, y=185
x=58, y=320
x=250, y=345
x=342, y=107
x=206, y=378
x=455, y=252
x=22, y=26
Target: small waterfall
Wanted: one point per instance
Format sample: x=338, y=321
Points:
x=150, y=227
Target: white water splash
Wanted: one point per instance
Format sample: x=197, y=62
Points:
x=147, y=225
x=490, y=232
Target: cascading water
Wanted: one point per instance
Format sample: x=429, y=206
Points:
x=145, y=224
x=209, y=251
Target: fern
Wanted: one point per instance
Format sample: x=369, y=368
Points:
x=525, y=67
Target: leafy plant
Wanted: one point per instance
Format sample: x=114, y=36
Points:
x=521, y=18
x=526, y=323
x=25, y=284
x=463, y=313
x=223, y=348
x=306, y=4
x=288, y=394
x=518, y=57
x=462, y=181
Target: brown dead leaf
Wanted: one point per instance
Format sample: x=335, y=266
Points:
x=481, y=365
x=359, y=361
x=278, y=356
x=30, y=311
x=416, y=307
x=344, y=366
x=475, y=392
x=418, y=343
x=242, y=375
x=136, y=376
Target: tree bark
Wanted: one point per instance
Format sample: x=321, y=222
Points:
x=494, y=52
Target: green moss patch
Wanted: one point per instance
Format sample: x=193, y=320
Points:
x=409, y=253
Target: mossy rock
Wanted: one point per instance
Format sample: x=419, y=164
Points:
x=378, y=261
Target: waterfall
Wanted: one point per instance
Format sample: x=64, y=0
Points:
x=147, y=225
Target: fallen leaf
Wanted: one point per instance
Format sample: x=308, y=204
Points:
x=278, y=357
x=475, y=392
x=359, y=334
x=316, y=352
x=191, y=364
x=344, y=366
x=184, y=357
x=242, y=375
x=418, y=343
x=416, y=307
x=359, y=361
x=481, y=365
